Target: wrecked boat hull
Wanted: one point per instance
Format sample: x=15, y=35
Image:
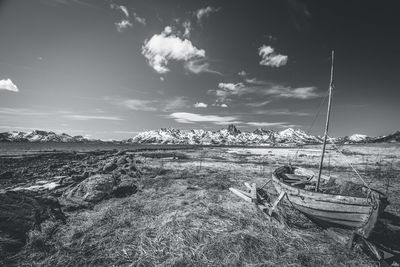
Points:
x=357, y=213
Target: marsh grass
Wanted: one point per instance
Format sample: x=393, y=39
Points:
x=166, y=224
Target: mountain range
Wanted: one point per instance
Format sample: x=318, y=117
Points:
x=228, y=136
x=41, y=136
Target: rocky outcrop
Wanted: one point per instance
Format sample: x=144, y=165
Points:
x=88, y=192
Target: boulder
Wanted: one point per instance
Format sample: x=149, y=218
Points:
x=121, y=161
x=125, y=188
x=89, y=191
x=109, y=167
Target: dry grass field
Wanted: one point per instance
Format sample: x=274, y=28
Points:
x=184, y=215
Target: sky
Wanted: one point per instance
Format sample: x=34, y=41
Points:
x=110, y=69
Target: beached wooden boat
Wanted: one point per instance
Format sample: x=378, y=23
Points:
x=357, y=210
x=359, y=213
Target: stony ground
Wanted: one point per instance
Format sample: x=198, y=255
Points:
x=173, y=207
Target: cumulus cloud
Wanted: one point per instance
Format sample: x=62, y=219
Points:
x=163, y=47
x=205, y=12
x=7, y=84
x=226, y=90
x=184, y=117
x=88, y=117
x=270, y=58
x=200, y=105
x=123, y=24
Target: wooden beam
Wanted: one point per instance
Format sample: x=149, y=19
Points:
x=241, y=194
x=276, y=202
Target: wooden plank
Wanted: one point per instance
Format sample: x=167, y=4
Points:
x=279, y=186
x=247, y=185
x=241, y=194
x=300, y=183
x=296, y=177
x=253, y=192
x=276, y=202
x=357, y=218
x=328, y=206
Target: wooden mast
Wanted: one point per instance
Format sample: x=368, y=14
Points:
x=326, y=126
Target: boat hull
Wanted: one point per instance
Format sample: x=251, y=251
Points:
x=359, y=214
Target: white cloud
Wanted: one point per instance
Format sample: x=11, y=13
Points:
x=258, y=104
x=281, y=112
x=138, y=104
x=255, y=81
x=188, y=28
x=173, y=104
x=242, y=73
x=205, y=12
x=166, y=46
x=226, y=90
x=200, y=105
x=270, y=58
x=7, y=84
x=123, y=24
x=184, y=117
x=288, y=92
x=122, y=8
x=198, y=66
x=139, y=19
x=88, y=117
x=21, y=112
x=265, y=124
x=234, y=87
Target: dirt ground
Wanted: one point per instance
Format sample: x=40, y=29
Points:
x=183, y=213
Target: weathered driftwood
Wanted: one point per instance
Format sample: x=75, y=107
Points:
x=260, y=202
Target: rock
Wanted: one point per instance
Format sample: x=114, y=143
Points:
x=21, y=212
x=109, y=167
x=6, y=175
x=133, y=167
x=125, y=188
x=88, y=192
x=121, y=161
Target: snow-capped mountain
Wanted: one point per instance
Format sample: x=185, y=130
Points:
x=229, y=136
x=40, y=136
x=391, y=138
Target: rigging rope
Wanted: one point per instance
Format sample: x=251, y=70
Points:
x=312, y=124
x=348, y=162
